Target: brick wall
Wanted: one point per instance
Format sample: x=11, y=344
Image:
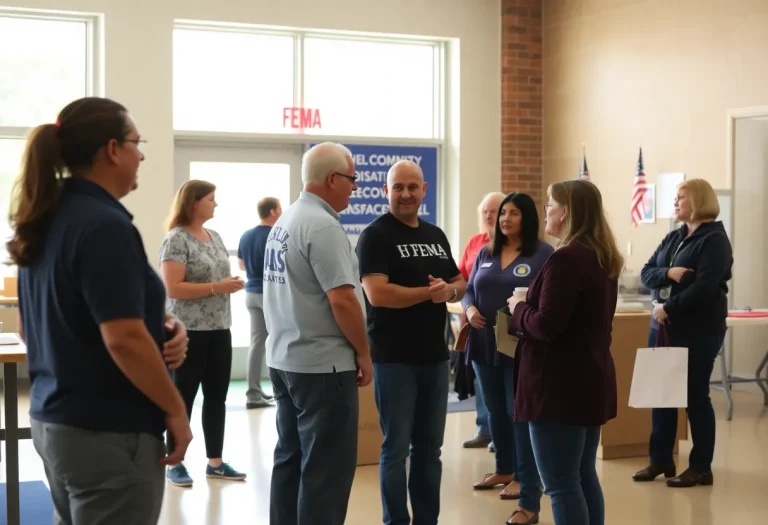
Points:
x=521, y=97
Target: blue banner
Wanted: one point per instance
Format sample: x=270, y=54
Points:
x=371, y=166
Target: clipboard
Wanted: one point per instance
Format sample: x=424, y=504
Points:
x=505, y=342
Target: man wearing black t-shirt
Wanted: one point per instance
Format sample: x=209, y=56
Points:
x=408, y=275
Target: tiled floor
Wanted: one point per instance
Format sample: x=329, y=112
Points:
x=739, y=496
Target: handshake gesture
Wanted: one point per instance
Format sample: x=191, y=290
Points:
x=440, y=291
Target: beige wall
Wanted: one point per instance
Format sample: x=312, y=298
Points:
x=750, y=282
x=659, y=74
x=138, y=35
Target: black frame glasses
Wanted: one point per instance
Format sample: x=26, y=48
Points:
x=353, y=178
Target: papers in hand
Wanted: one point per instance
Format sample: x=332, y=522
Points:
x=505, y=343
x=9, y=339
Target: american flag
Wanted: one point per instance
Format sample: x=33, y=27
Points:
x=584, y=174
x=637, y=210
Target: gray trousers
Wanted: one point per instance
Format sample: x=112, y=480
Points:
x=101, y=478
x=255, y=304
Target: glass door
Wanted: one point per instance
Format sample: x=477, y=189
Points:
x=243, y=175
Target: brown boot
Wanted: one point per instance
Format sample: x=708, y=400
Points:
x=691, y=478
x=654, y=470
x=479, y=441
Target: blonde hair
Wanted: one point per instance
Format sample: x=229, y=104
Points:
x=486, y=198
x=586, y=223
x=704, y=203
x=181, y=208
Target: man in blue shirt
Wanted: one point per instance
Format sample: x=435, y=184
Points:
x=250, y=255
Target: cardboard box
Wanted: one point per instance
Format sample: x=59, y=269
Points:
x=369, y=437
x=10, y=286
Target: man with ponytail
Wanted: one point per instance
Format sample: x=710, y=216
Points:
x=93, y=317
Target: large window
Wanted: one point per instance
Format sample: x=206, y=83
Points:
x=11, y=151
x=46, y=61
x=242, y=80
x=380, y=89
x=43, y=66
x=231, y=81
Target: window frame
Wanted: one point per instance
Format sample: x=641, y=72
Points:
x=94, y=70
x=94, y=67
x=438, y=88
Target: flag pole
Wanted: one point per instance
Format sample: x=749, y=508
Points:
x=584, y=172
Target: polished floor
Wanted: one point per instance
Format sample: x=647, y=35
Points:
x=740, y=493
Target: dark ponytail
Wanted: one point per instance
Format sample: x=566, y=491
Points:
x=54, y=150
x=35, y=193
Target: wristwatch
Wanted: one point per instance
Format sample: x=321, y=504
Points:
x=455, y=295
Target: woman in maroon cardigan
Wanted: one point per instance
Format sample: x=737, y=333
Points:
x=566, y=381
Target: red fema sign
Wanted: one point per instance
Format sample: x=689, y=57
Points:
x=301, y=118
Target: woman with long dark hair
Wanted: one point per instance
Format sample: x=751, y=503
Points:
x=511, y=260
x=93, y=318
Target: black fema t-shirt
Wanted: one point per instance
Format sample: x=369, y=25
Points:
x=408, y=256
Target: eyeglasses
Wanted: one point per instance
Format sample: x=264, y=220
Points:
x=353, y=178
x=136, y=141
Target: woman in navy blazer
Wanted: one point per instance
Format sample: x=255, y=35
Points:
x=688, y=275
x=566, y=381
x=512, y=260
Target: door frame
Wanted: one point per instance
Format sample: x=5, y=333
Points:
x=216, y=151
x=187, y=151
x=735, y=114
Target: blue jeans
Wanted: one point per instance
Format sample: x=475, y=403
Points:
x=316, y=452
x=566, y=457
x=483, y=427
x=514, y=454
x=412, y=403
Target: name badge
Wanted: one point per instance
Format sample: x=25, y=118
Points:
x=486, y=265
x=665, y=292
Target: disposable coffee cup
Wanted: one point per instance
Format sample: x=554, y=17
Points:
x=520, y=293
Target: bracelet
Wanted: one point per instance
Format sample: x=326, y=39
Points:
x=455, y=295
x=213, y=292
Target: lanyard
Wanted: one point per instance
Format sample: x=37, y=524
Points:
x=672, y=259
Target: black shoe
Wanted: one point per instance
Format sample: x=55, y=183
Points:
x=691, y=478
x=654, y=470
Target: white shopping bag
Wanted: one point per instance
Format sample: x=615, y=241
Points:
x=660, y=379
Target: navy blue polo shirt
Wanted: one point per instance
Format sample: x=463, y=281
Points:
x=92, y=269
x=253, y=245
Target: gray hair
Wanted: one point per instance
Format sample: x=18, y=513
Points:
x=322, y=159
x=486, y=198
